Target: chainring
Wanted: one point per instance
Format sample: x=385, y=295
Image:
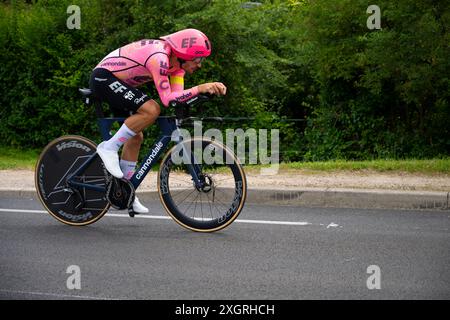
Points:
x=120, y=193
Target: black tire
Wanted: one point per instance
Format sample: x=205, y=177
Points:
x=59, y=158
x=213, y=208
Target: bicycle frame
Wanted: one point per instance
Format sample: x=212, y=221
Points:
x=167, y=125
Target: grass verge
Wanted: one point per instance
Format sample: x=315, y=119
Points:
x=429, y=166
x=11, y=158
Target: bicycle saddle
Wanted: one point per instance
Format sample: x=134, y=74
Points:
x=85, y=91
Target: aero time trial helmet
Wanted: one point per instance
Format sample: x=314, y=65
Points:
x=189, y=44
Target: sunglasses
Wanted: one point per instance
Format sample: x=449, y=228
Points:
x=199, y=59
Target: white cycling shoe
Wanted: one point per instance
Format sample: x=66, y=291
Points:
x=110, y=160
x=138, y=207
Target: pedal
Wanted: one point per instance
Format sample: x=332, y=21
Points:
x=131, y=213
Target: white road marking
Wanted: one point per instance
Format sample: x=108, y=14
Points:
x=22, y=211
x=120, y=215
x=56, y=295
x=332, y=225
x=289, y=223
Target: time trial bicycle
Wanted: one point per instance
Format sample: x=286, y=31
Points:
x=201, y=183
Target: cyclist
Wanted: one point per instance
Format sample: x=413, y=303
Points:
x=114, y=80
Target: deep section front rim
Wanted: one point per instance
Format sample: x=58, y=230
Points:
x=207, y=209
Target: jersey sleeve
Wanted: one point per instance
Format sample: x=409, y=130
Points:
x=177, y=80
x=168, y=90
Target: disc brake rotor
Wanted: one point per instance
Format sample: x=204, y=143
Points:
x=207, y=186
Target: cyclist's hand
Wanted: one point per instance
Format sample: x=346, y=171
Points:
x=217, y=88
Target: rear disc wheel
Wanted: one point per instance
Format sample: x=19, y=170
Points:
x=75, y=206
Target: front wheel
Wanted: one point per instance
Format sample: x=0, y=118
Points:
x=218, y=201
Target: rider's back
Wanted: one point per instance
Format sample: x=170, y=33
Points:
x=132, y=64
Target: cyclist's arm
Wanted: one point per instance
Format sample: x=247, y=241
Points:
x=177, y=80
x=158, y=65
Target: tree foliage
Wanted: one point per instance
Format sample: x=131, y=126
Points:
x=363, y=93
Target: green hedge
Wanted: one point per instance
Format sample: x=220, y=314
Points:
x=365, y=94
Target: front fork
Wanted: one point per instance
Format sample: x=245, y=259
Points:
x=190, y=160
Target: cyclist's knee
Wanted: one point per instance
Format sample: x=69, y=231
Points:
x=150, y=110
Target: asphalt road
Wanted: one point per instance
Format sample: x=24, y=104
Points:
x=271, y=252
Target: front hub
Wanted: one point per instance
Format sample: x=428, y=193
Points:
x=207, y=184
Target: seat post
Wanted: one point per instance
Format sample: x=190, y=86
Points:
x=104, y=124
x=98, y=109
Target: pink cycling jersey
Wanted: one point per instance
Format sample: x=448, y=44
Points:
x=145, y=60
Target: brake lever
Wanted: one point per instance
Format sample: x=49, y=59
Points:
x=206, y=96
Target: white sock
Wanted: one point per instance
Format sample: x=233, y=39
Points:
x=128, y=168
x=121, y=136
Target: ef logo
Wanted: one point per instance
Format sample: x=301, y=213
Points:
x=74, y=280
x=188, y=42
x=374, y=20
x=374, y=281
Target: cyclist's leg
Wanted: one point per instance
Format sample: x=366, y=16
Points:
x=131, y=148
x=144, y=116
x=126, y=100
